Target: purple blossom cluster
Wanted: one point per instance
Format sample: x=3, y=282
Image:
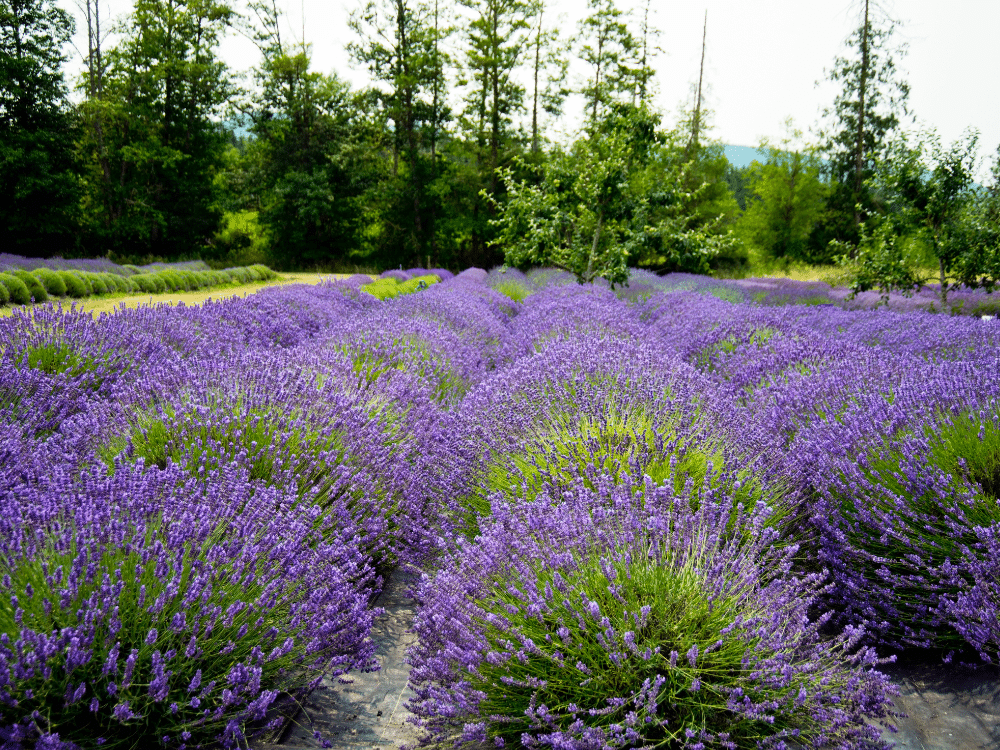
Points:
x=667, y=514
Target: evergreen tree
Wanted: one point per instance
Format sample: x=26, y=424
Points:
x=497, y=42
x=549, y=70
x=39, y=183
x=314, y=156
x=608, y=48
x=399, y=42
x=864, y=115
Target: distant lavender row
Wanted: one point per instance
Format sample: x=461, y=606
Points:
x=762, y=291
x=94, y=265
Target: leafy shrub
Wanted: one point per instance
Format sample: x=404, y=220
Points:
x=84, y=282
x=133, y=286
x=17, y=290
x=145, y=283
x=35, y=288
x=384, y=288
x=517, y=292
x=4, y=295
x=116, y=284
x=188, y=279
x=132, y=270
x=241, y=239
x=52, y=282
x=265, y=273
x=97, y=283
x=75, y=286
x=623, y=618
x=172, y=280
x=240, y=274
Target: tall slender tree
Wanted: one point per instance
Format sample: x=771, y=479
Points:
x=864, y=114
x=647, y=50
x=549, y=70
x=497, y=43
x=399, y=42
x=696, y=120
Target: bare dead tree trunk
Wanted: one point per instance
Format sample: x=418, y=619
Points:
x=534, y=103
x=640, y=91
x=859, y=144
x=696, y=125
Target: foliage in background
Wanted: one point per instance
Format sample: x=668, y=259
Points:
x=169, y=155
x=931, y=201
x=788, y=200
x=865, y=114
x=39, y=180
x=152, y=144
x=616, y=198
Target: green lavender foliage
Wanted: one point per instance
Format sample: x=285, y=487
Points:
x=16, y=289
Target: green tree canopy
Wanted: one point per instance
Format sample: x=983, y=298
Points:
x=788, y=199
x=155, y=143
x=928, y=194
x=608, y=201
x=39, y=183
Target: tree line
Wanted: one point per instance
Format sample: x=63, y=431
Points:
x=159, y=150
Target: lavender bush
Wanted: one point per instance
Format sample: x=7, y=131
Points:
x=621, y=617
x=144, y=606
x=906, y=530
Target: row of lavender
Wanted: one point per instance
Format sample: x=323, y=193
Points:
x=670, y=494
x=10, y=262
x=639, y=521
x=768, y=291
x=197, y=506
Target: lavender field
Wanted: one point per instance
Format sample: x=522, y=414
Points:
x=683, y=514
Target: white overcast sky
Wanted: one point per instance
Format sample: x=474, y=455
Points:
x=763, y=61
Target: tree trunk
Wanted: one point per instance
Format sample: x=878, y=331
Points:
x=597, y=74
x=944, y=284
x=696, y=125
x=534, y=103
x=593, y=249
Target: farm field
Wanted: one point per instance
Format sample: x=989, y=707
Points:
x=99, y=286
x=687, y=513
x=110, y=304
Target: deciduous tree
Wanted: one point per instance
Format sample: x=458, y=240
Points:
x=929, y=195
x=789, y=198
